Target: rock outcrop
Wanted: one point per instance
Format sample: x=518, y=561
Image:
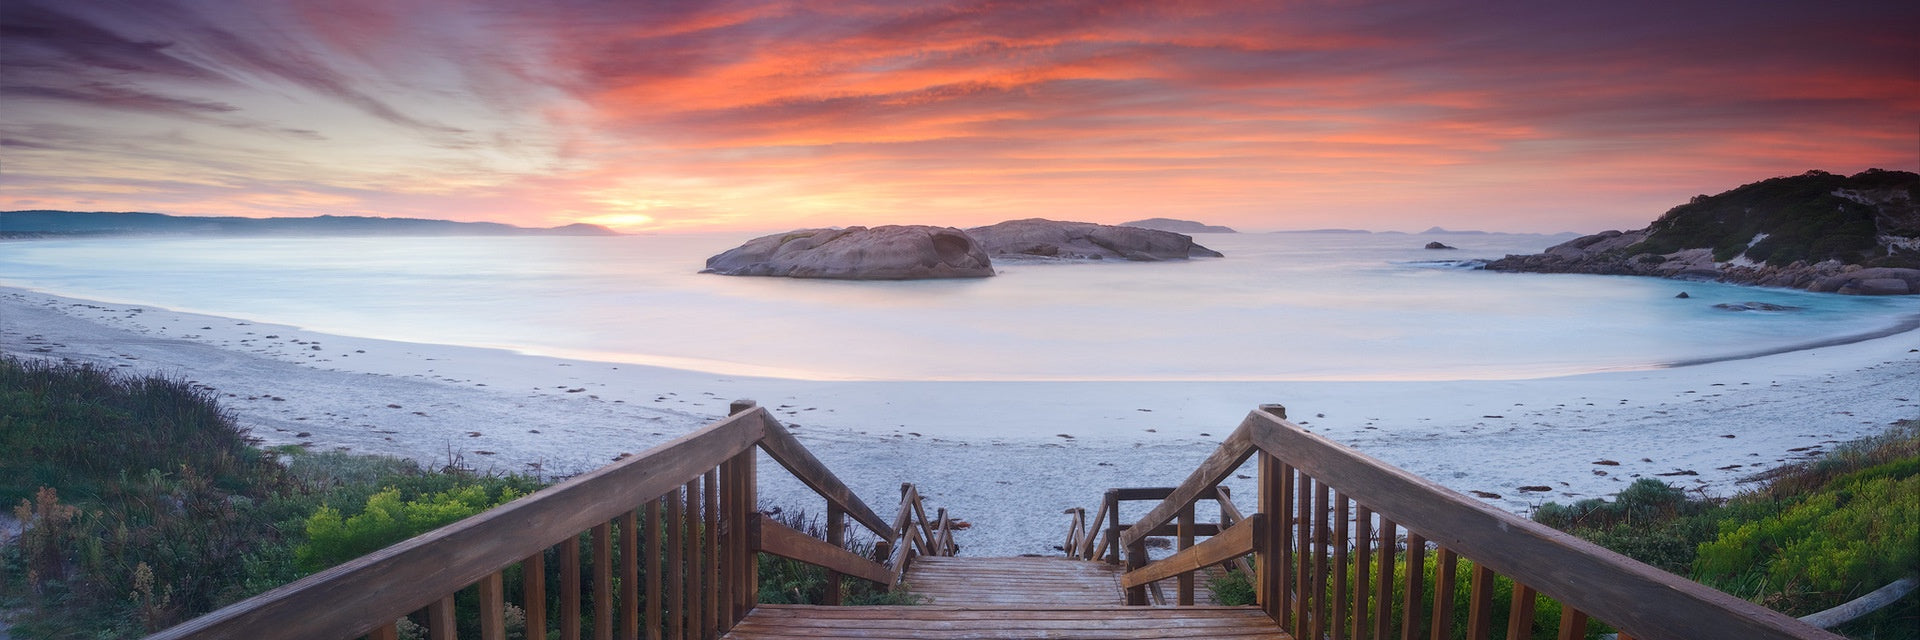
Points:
x=1439, y=245
x=1817, y=231
x=1178, y=226
x=1048, y=239
x=891, y=252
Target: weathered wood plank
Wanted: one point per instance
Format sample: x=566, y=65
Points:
x=655, y=568
x=1480, y=604
x=1363, y=569
x=778, y=539
x=630, y=575
x=493, y=607
x=1638, y=599
x=603, y=601
x=533, y=587
x=948, y=622
x=696, y=574
x=1520, y=615
x=1383, y=592
x=350, y=599
x=440, y=620
x=570, y=588
x=1237, y=540
x=1410, y=598
x=1445, y=569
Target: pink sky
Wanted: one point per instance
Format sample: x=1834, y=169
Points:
x=759, y=115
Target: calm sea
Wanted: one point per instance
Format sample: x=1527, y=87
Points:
x=1290, y=306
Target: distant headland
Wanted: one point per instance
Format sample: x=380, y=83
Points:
x=45, y=223
x=1817, y=231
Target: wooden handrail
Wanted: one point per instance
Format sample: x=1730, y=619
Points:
x=1235, y=542
x=695, y=496
x=1224, y=460
x=353, y=598
x=1310, y=482
x=1640, y=600
x=780, y=540
x=784, y=449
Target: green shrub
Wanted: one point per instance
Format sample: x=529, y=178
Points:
x=1233, y=588
x=333, y=538
x=1833, y=546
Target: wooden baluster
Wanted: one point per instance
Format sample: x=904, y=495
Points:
x=1411, y=600
x=1137, y=558
x=695, y=575
x=1303, y=542
x=493, y=607
x=440, y=623
x=749, y=508
x=1480, y=607
x=727, y=541
x=1112, y=500
x=655, y=569
x=1184, y=534
x=533, y=588
x=629, y=576
x=570, y=588
x=603, y=581
x=1573, y=623
x=836, y=536
x=1444, y=567
x=676, y=567
x=1362, y=566
x=1340, y=541
x=1520, y=615
x=1273, y=551
x=1383, y=590
x=710, y=600
x=1321, y=493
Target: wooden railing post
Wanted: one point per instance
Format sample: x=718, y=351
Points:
x=1271, y=555
x=1136, y=558
x=1184, y=534
x=1112, y=501
x=836, y=536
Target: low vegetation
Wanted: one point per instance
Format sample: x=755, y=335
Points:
x=1812, y=536
x=141, y=504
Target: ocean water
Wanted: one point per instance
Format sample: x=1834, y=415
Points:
x=1289, y=306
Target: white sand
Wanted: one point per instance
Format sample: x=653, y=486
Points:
x=994, y=453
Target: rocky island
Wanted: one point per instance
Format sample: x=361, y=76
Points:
x=1051, y=239
x=1817, y=231
x=916, y=252
x=890, y=252
x=1178, y=226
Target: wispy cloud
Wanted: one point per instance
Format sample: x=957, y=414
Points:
x=761, y=113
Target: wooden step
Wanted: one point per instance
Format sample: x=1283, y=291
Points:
x=1115, y=622
x=1014, y=581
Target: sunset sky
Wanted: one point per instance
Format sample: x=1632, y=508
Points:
x=667, y=115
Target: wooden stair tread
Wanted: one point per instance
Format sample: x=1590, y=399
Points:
x=1036, y=581
x=1116, y=622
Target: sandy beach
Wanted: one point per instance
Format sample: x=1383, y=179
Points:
x=1006, y=456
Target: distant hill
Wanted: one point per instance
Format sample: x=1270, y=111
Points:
x=61, y=223
x=1177, y=226
x=1817, y=231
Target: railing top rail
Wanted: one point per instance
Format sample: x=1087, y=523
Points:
x=351, y=599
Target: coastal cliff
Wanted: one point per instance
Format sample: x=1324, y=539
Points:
x=1817, y=231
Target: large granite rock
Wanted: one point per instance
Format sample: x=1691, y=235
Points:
x=1041, y=238
x=1818, y=231
x=891, y=252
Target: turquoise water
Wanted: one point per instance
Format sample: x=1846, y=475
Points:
x=1279, y=307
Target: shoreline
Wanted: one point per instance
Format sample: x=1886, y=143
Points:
x=1007, y=456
